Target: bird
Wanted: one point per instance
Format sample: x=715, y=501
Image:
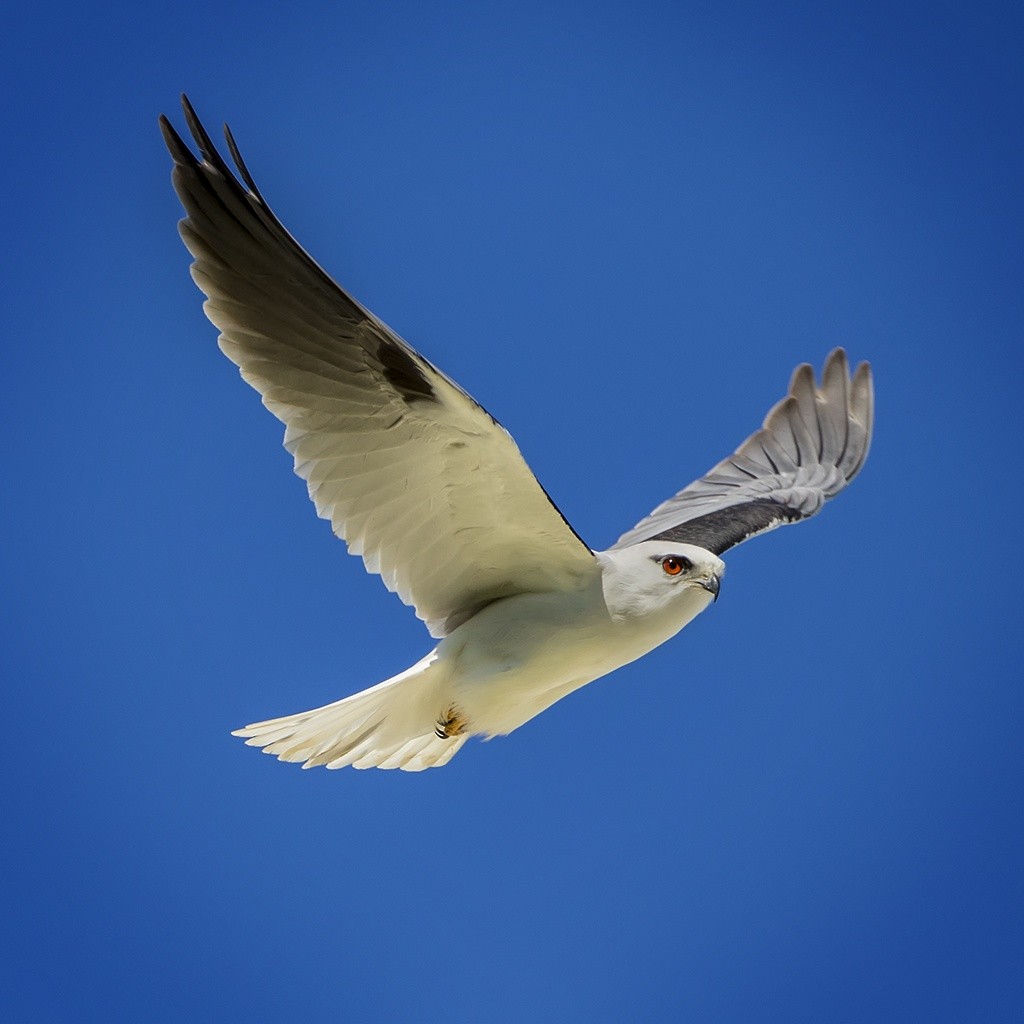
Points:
x=432, y=492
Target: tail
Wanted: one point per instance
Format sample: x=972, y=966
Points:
x=390, y=725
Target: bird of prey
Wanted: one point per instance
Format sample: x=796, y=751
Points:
x=432, y=492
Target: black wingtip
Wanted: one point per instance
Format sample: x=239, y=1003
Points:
x=208, y=151
x=240, y=163
x=176, y=145
x=199, y=133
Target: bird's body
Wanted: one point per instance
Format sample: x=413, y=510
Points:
x=518, y=656
x=505, y=665
x=434, y=495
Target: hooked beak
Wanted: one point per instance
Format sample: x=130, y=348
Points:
x=712, y=585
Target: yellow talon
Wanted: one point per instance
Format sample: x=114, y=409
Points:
x=450, y=724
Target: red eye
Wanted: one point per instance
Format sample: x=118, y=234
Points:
x=672, y=566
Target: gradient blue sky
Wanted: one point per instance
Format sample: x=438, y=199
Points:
x=619, y=226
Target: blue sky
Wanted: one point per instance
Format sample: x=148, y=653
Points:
x=619, y=227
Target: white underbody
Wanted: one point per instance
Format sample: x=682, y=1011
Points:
x=518, y=656
x=506, y=664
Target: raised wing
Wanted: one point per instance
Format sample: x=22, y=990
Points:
x=812, y=444
x=413, y=474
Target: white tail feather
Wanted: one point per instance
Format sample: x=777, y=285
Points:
x=390, y=725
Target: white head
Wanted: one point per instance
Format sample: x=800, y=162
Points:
x=656, y=577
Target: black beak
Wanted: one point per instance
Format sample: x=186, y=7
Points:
x=712, y=585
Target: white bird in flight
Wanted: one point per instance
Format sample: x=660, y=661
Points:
x=432, y=492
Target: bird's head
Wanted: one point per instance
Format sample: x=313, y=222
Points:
x=660, y=576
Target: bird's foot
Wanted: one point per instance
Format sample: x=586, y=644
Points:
x=451, y=724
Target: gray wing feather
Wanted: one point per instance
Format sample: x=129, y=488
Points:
x=412, y=473
x=812, y=444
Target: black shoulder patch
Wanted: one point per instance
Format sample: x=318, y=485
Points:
x=404, y=374
x=724, y=528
